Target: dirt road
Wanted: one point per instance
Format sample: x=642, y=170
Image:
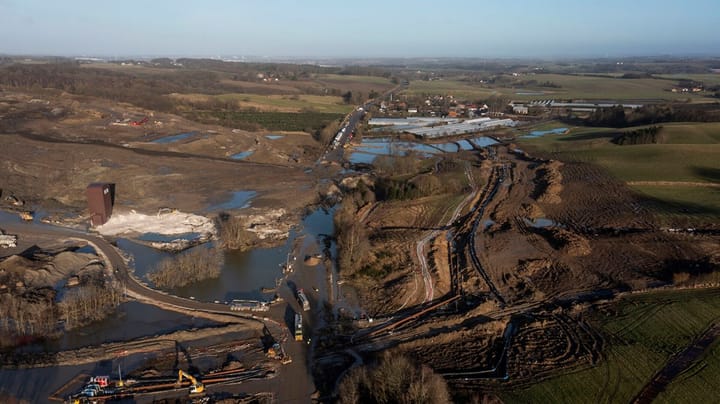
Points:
x=677, y=365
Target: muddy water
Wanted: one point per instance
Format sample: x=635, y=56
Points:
x=243, y=275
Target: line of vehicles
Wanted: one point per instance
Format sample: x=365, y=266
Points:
x=249, y=305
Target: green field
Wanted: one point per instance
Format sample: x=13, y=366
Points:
x=690, y=154
x=455, y=88
x=277, y=103
x=577, y=86
x=276, y=121
x=683, y=203
x=381, y=81
x=571, y=87
x=708, y=79
x=642, y=332
x=698, y=384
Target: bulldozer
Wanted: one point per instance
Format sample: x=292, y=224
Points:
x=195, y=386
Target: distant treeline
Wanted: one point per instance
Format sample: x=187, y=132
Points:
x=617, y=117
x=649, y=135
x=202, y=76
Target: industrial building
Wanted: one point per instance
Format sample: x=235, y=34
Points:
x=431, y=128
x=101, y=199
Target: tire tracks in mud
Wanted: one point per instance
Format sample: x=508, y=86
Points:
x=143, y=152
x=677, y=365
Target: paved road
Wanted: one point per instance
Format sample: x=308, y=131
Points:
x=336, y=148
x=133, y=287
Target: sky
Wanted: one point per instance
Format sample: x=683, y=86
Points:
x=352, y=28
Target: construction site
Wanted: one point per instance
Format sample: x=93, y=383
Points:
x=497, y=263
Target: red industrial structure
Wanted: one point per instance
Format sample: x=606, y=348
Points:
x=140, y=122
x=101, y=198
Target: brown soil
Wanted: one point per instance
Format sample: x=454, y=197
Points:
x=597, y=235
x=48, y=160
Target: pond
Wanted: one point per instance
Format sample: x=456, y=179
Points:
x=242, y=155
x=174, y=138
x=237, y=200
x=541, y=133
x=542, y=222
x=370, y=148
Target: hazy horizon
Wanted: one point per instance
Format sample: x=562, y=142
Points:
x=372, y=29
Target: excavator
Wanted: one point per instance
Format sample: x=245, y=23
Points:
x=195, y=387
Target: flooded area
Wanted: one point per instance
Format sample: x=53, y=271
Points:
x=370, y=148
x=541, y=222
x=174, y=138
x=237, y=200
x=541, y=133
x=166, y=238
x=242, y=155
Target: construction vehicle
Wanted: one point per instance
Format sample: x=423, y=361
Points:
x=140, y=122
x=304, y=302
x=195, y=386
x=298, y=327
x=277, y=352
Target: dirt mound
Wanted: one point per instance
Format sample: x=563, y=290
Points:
x=567, y=242
x=533, y=267
x=48, y=271
x=532, y=210
x=312, y=260
x=549, y=182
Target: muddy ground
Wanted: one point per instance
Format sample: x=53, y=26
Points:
x=554, y=232
x=55, y=144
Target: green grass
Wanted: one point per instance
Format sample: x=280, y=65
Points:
x=280, y=121
x=698, y=384
x=451, y=87
x=279, y=103
x=645, y=331
x=680, y=204
x=691, y=133
x=691, y=153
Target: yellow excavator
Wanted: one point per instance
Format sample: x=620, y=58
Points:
x=195, y=387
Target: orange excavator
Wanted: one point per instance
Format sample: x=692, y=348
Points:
x=195, y=386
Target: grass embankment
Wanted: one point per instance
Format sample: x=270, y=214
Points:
x=642, y=333
x=680, y=177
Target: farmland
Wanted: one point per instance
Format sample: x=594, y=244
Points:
x=679, y=177
x=642, y=333
x=697, y=384
x=276, y=121
x=275, y=102
x=526, y=87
